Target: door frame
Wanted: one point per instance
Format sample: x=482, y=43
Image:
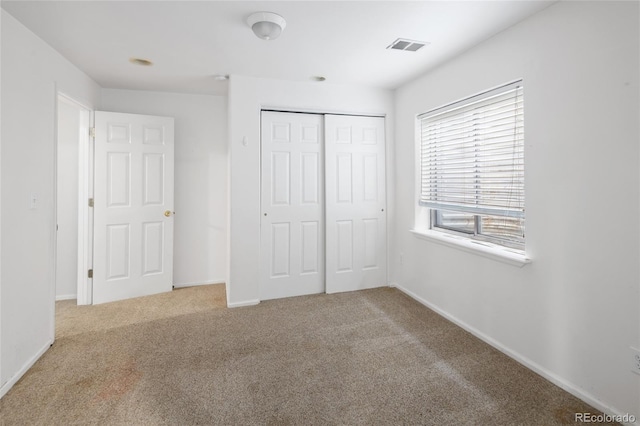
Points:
x=85, y=214
x=85, y=188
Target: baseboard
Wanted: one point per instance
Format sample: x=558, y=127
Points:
x=66, y=297
x=552, y=377
x=195, y=284
x=243, y=303
x=7, y=386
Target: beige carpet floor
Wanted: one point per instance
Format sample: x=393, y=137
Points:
x=363, y=358
x=72, y=319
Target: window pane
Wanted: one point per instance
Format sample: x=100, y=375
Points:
x=508, y=228
x=463, y=222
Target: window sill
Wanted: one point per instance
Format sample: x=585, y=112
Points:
x=480, y=248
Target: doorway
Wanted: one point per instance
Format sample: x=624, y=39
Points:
x=73, y=124
x=126, y=238
x=323, y=223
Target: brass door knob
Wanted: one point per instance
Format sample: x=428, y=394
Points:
x=167, y=213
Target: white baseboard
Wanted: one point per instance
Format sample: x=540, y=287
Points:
x=66, y=297
x=7, y=386
x=550, y=376
x=243, y=303
x=195, y=284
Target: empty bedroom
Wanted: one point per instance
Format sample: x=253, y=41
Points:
x=319, y=212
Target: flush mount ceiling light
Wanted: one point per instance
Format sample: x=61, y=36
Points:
x=266, y=25
x=140, y=61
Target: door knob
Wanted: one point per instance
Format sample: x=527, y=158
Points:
x=168, y=213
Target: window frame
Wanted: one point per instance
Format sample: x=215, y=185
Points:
x=512, y=244
x=476, y=234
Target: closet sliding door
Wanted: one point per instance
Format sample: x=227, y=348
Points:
x=323, y=224
x=356, y=235
x=292, y=205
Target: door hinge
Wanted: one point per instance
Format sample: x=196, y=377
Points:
x=90, y=273
x=90, y=202
x=92, y=132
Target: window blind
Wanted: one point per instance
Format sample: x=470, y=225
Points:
x=472, y=154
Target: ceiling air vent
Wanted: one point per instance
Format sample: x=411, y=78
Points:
x=407, y=45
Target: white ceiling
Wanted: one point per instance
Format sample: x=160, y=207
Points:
x=190, y=41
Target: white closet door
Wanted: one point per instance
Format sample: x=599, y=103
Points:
x=355, y=203
x=292, y=198
x=133, y=213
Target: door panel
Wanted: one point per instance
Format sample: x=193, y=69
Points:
x=370, y=243
x=117, y=262
x=310, y=185
x=281, y=181
x=310, y=242
x=344, y=245
x=344, y=177
x=118, y=179
x=281, y=253
x=153, y=186
x=355, y=203
x=152, y=238
x=292, y=217
x=133, y=238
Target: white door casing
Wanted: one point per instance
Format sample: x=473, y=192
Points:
x=355, y=203
x=292, y=200
x=133, y=206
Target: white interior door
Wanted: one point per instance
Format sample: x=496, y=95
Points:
x=355, y=203
x=292, y=198
x=133, y=206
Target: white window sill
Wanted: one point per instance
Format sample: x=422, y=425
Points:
x=480, y=248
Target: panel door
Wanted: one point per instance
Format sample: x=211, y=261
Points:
x=356, y=236
x=133, y=206
x=292, y=197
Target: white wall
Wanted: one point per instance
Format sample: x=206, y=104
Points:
x=573, y=313
x=31, y=73
x=67, y=200
x=247, y=95
x=200, y=233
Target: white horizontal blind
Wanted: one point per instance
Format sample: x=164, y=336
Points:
x=472, y=154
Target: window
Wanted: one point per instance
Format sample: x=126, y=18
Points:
x=472, y=166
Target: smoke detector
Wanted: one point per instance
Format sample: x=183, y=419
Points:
x=266, y=25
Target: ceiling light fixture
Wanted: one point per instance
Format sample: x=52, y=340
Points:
x=266, y=25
